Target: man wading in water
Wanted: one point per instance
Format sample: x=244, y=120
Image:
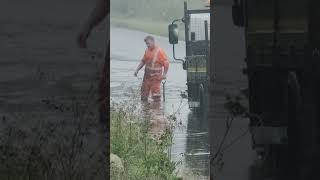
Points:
x=154, y=60
x=156, y=65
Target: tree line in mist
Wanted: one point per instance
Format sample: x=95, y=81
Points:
x=166, y=10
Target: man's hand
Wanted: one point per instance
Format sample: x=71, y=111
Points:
x=136, y=73
x=83, y=36
x=164, y=77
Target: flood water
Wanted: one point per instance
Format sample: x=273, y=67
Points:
x=190, y=141
x=42, y=40
x=191, y=138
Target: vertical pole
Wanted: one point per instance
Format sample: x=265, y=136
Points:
x=275, y=22
x=186, y=27
x=206, y=30
x=208, y=45
x=164, y=90
x=210, y=94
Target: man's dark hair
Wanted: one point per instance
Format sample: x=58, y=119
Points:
x=148, y=38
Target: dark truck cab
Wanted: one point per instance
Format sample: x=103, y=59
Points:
x=282, y=40
x=197, y=40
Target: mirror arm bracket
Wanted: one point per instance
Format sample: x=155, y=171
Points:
x=173, y=50
x=174, y=55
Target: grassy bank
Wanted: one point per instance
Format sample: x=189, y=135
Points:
x=151, y=16
x=156, y=27
x=142, y=155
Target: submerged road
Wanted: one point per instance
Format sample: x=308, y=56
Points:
x=190, y=142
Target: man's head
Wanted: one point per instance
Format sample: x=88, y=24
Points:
x=149, y=40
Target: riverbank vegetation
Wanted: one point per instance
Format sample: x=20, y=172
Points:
x=145, y=25
x=143, y=156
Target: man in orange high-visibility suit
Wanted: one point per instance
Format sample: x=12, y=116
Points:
x=156, y=67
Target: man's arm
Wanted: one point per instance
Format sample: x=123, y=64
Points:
x=97, y=15
x=139, y=67
x=165, y=69
x=165, y=64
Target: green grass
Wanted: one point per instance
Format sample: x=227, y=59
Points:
x=143, y=156
x=159, y=28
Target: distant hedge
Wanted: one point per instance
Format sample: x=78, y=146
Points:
x=154, y=9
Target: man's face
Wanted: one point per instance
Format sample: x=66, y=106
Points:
x=150, y=43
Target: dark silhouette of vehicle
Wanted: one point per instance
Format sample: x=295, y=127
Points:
x=282, y=39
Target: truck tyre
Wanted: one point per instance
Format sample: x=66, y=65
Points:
x=294, y=95
x=256, y=171
x=294, y=109
x=280, y=163
x=201, y=98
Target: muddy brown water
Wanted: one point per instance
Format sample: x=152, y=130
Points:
x=39, y=59
x=190, y=141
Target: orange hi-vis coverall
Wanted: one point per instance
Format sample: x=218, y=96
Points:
x=154, y=59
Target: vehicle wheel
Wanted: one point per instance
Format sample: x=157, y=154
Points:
x=257, y=171
x=202, y=100
x=294, y=107
x=278, y=162
x=294, y=96
x=202, y=97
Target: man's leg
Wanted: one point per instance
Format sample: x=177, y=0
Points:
x=145, y=89
x=156, y=90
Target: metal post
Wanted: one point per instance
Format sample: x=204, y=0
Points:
x=208, y=44
x=206, y=30
x=164, y=90
x=186, y=27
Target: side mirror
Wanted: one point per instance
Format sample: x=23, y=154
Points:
x=173, y=33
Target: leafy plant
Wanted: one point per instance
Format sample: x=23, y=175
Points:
x=144, y=156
